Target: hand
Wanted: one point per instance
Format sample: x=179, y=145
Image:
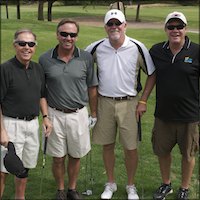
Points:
x=47, y=126
x=140, y=110
x=92, y=121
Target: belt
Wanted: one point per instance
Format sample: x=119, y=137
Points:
x=66, y=110
x=26, y=118
x=120, y=98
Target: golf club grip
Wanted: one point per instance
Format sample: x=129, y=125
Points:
x=139, y=130
x=45, y=145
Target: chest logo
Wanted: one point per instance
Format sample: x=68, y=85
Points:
x=188, y=60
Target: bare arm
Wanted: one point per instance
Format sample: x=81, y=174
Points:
x=46, y=123
x=149, y=85
x=92, y=92
x=4, y=139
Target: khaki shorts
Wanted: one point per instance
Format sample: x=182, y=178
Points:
x=114, y=116
x=25, y=137
x=166, y=135
x=70, y=134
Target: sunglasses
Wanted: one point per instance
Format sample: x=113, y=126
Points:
x=23, y=43
x=109, y=24
x=178, y=27
x=65, y=34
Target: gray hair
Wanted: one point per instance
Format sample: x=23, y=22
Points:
x=24, y=30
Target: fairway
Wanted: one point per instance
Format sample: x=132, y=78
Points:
x=92, y=174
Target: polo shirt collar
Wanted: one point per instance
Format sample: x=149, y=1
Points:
x=107, y=43
x=19, y=64
x=185, y=46
x=76, y=52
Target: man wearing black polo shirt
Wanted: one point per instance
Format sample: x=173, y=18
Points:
x=177, y=103
x=22, y=94
x=71, y=84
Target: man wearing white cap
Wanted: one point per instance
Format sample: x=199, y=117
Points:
x=177, y=103
x=119, y=59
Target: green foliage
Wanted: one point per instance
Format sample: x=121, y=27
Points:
x=148, y=176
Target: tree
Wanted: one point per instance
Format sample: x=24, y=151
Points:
x=40, y=10
x=49, y=12
x=138, y=11
x=7, y=9
x=18, y=9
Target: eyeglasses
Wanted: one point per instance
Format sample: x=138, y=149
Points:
x=23, y=43
x=178, y=27
x=109, y=24
x=65, y=34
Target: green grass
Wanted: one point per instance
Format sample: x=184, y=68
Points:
x=148, y=176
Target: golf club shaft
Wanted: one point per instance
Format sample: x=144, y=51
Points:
x=44, y=152
x=43, y=164
x=139, y=129
x=140, y=140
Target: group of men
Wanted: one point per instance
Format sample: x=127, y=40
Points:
x=65, y=81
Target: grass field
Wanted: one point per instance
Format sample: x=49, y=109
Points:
x=148, y=176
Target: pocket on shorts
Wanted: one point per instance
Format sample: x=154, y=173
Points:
x=11, y=128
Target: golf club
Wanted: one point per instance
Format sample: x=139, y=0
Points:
x=88, y=173
x=139, y=130
x=43, y=164
x=140, y=140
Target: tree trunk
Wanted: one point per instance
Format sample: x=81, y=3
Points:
x=137, y=18
x=40, y=10
x=49, y=14
x=18, y=9
x=7, y=9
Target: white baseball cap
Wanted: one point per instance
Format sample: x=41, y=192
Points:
x=114, y=14
x=176, y=15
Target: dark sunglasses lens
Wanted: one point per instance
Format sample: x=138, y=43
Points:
x=65, y=34
x=73, y=34
x=118, y=23
x=112, y=23
x=31, y=44
x=23, y=44
x=178, y=27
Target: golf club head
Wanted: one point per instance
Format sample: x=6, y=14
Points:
x=87, y=193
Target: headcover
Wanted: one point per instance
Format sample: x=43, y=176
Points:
x=12, y=162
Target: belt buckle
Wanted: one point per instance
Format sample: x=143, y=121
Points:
x=28, y=118
x=118, y=98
